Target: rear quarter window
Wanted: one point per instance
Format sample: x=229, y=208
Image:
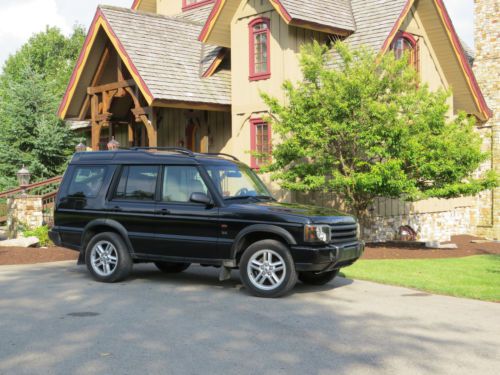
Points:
x=86, y=181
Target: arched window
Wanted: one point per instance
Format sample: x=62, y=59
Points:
x=260, y=62
x=406, y=43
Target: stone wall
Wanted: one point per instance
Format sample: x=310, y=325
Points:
x=24, y=210
x=487, y=71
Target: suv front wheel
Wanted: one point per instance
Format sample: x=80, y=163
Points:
x=107, y=258
x=267, y=269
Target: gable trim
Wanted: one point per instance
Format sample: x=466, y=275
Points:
x=136, y=4
x=215, y=64
x=99, y=22
x=457, y=48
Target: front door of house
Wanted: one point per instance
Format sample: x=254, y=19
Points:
x=196, y=137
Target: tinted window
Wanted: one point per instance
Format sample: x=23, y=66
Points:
x=137, y=183
x=86, y=182
x=180, y=182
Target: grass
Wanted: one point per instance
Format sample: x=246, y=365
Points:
x=475, y=277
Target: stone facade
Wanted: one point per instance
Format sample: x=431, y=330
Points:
x=24, y=210
x=487, y=71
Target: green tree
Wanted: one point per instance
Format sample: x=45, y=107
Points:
x=31, y=86
x=368, y=128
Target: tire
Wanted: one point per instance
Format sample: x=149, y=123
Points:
x=313, y=278
x=116, y=256
x=169, y=267
x=255, y=262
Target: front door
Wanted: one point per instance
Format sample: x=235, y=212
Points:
x=185, y=229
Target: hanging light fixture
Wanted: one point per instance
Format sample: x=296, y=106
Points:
x=113, y=145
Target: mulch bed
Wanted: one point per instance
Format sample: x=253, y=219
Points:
x=465, y=248
x=21, y=255
x=10, y=256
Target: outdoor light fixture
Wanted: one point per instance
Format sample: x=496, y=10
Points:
x=113, y=145
x=81, y=147
x=23, y=177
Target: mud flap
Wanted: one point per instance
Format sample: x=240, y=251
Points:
x=225, y=274
x=81, y=259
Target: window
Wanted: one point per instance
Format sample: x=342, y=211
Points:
x=406, y=43
x=260, y=133
x=260, y=62
x=179, y=182
x=137, y=183
x=86, y=182
x=190, y=4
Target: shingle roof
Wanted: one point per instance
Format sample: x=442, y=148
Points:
x=331, y=13
x=166, y=52
x=199, y=14
x=374, y=21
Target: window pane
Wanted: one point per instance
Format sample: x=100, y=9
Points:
x=87, y=181
x=137, y=183
x=180, y=182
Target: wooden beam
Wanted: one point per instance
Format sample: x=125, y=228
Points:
x=192, y=105
x=130, y=135
x=97, y=76
x=151, y=130
x=110, y=86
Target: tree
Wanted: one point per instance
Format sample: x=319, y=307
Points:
x=31, y=86
x=368, y=128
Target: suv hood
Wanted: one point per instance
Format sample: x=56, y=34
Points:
x=319, y=215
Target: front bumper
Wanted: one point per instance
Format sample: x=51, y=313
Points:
x=326, y=258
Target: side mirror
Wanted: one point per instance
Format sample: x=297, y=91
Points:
x=200, y=198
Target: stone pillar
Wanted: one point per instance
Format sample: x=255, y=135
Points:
x=26, y=211
x=487, y=70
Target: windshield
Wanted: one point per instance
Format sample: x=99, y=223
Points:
x=237, y=182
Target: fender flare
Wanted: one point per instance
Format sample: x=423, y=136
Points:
x=261, y=228
x=113, y=224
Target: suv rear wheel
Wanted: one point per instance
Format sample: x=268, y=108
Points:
x=314, y=278
x=107, y=258
x=267, y=269
x=169, y=267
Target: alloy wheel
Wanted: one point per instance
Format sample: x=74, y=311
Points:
x=266, y=270
x=104, y=258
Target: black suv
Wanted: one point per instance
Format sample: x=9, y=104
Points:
x=173, y=207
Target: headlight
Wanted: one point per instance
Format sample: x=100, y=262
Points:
x=317, y=233
x=358, y=231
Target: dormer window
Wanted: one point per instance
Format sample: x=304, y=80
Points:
x=260, y=62
x=190, y=4
x=406, y=43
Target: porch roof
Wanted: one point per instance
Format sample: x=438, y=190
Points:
x=163, y=55
x=166, y=53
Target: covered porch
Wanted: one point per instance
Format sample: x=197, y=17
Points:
x=123, y=88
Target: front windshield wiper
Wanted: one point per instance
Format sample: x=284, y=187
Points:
x=258, y=197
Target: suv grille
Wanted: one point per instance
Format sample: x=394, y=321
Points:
x=343, y=233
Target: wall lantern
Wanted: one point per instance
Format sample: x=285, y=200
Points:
x=81, y=147
x=113, y=145
x=23, y=177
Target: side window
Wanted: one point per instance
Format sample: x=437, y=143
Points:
x=137, y=182
x=86, y=182
x=179, y=182
x=260, y=48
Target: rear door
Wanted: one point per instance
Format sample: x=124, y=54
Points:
x=132, y=204
x=185, y=229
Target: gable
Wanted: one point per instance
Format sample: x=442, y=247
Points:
x=144, y=5
x=332, y=16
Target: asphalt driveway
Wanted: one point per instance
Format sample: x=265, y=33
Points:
x=55, y=320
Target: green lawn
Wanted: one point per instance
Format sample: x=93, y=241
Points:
x=471, y=277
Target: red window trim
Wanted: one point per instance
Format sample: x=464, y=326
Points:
x=253, y=141
x=253, y=75
x=186, y=7
x=414, y=43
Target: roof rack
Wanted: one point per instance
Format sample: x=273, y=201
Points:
x=185, y=151
x=220, y=154
x=180, y=150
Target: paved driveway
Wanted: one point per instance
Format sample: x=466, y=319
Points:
x=55, y=320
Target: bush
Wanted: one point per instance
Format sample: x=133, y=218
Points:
x=42, y=233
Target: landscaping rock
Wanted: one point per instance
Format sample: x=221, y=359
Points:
x=21, y=242
x=437, y=245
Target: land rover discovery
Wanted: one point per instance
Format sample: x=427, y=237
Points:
x=173, y=208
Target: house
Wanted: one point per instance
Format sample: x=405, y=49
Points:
x=188, y=72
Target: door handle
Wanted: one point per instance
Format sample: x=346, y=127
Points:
x=117, y=209
x=163, y=211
